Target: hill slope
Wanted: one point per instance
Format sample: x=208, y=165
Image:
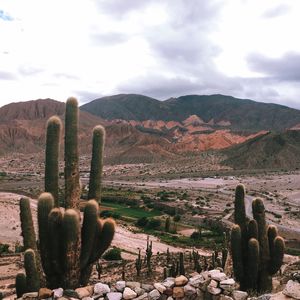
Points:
x=238, y=114
x=272, y=150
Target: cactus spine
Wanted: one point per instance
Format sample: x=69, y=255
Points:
x=68, y=250
x=96, y=164
x=52, y=157
x=257, y=250
x=72, y=184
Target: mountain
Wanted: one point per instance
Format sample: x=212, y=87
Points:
x=268, y=151
x=237, y=114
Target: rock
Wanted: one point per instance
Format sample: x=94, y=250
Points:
x=214, y=290
x=168, y=291
x=170, y=298
x=227, y=284
x=213, y=283
x=169, y=282
x=101, y=289
x=161, y=288
x=292, y=289
x=280, y=296
x=120, y=285
x=84, y=291
x=58, y=293
x=114, y=296
x=264, y=297
x=213, y=272
x=224, y=297
x=196, y=280
x=133, y=284
x=70, y=294
x=189, y=290
x=97, y=297
x=200, y=294
x=154, y=295
x=181, y=280
x=178, y=292
x=129, y=293
x=45, y=293
x=87, y=298
x=218, y=276
x=139, y=291
x=147, y=287
x=30, y=296
x=142, y=297
x=239, y=295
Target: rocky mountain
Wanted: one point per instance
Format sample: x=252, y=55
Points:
x=216, y=110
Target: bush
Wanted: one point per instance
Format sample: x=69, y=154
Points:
x=176, y=218
x=196, y=235
x=113, y=254
x=153, y=223
x=142, y=222
x=109, y=214
x=4, y=248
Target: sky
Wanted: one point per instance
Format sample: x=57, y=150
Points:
x=159, y=48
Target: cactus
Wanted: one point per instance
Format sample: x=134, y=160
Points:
x=181, y=264
x=149, y=255
x=138, y=264
x=167, y=224
x=96, y=164
x=52, y=157
x=32, y=276
x=99, y=269
x=21, y=285
x=257, y=250
x=68, y=249
x=72, y=184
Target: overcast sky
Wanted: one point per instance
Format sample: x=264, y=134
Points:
x=160, y=48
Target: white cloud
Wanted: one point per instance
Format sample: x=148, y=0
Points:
x=163, y=48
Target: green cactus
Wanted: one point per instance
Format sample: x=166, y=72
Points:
x=52, y=157
x=181, y=264
x=138, y=264
x=255, y=263
x=32, y=276
x=96, y=164
x=21, y=285
x=69, y=250
x=72, y=184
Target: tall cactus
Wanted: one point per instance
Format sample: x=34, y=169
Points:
x=32, y=276
x=72, y=184
x=68, y=249
x=52, y=157
x=97, y=164
x=257, y=250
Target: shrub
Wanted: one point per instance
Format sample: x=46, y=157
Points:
x=176, y=218
x=196, y=235
x=153, y=223
x=113, y=254
x=142, y=222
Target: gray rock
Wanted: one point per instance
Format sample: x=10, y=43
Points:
x=224, y=297
x=120, y=285
x=161, y=288
x=170, y=298
x=214, y=290
x=189, y=290
x=264, y=297
x=147, y=287
x=213, y=283
x=129, y=293
x=239, y=295
x=133, y=284
x=169, y=282
x=292, y=289
x=58, y=293
x=196, y=280
x=101, y=289
x=139, y=291
x=228, y=284
x=142, y=297
x=218, y=276
x=33, y=295
x=114, y=296
x=87, y=298
x=154, y=295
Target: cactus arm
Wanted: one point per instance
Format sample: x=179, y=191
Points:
x=32, y=276
x=252, y=264
x=21, y=285
x=277, y=255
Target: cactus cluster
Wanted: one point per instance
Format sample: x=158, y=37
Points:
x=257, y=249
x=67, y=249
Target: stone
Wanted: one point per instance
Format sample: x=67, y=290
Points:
x=196, y=280
x=178, y=292
x=70, y=294
x=181, y=280
x=142, y=297
x=114, y=296
x=213, y=290
x=58, y=293
x=189, y=290
x=154, y=295
x=129, y=293
x=30, y=296
x=161, y=288
x=227, y=284
x=280, y=296
x=213, y=283
x=200, y=294
x=224, y=297
x=292, y=289
x=219, y=276
x=87, y=298
x=264, y=297
x=120, y=285
x=133, y=284
x=139, y=291
x=101, y=289
x=168, y=291
x=147, y=287
x=45, y=293
x=169, y=282
x=239, y=295
x=213, y=272
x=170, y=298
x=84, y=291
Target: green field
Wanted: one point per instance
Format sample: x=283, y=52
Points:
x=126, y=211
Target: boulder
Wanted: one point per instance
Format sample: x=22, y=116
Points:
x=101, y=289
x=129, y=293
x=181, y=280
x=178, y=292
x=292, y=289
x=120, y=285
x=86, y=291
x=133, y=284
x=239, y=295
x=189, y=290
x=45, y=293
x=58, y=293
x=154, y=295
x=161, y=288
x=114, y=296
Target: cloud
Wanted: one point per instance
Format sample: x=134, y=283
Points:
x=7, y=76
x=86, y=96
x=276, y=11
x=5, y=16
x=285, y=68
x=29, y=70
x=108, y=38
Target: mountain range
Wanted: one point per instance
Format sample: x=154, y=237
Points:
x=143, y=129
